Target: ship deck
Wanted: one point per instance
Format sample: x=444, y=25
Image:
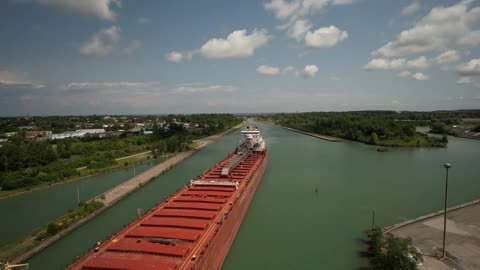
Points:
x=173, y=234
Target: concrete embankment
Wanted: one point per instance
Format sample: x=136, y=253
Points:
x=112, y=196
x=323, y=137
x=462, y=238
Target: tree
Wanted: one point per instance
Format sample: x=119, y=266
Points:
x=374, y=138
x=391, y=252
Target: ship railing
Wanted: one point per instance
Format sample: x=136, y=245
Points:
x=194, y=183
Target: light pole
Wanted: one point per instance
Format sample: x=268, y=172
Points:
x=446, y=166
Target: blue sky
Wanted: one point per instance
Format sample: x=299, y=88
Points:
x=64, y=57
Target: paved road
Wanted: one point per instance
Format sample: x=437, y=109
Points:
x=463, y=239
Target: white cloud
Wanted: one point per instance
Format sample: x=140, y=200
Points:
x=133, y=46
x=385, y=64
x=282, y=9
x=11, y=77
x=144, y=20
x=102, y=85
x=447, y=57
x=325, y=37
x=471, y=68
x=405, y=74
x=102, y=42
x=440, y=27
x=411, y=9
x=417, y=76
x=420, y=76
x=97, y=8
x=296, y=13
x=288, y=69
x=398, y=63
x=299, y=29
x=190, y=89
x=470, y=41
x=268, y=70
x=309, y=71
x=174, y=57
x=465, y=80
x=237, y=44
x=419, y=63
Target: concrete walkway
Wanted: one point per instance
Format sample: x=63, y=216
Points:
x=463, y=238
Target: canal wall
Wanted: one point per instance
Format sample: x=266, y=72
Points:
x=421, y=218
x=115, y=194
x=319, y=136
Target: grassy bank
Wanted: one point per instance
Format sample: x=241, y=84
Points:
x=20, y=246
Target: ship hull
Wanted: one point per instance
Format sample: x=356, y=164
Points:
x=192, y=229
x=215, y=254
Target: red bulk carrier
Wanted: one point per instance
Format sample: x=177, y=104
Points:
x=195, y=227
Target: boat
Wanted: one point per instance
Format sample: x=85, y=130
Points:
x=194, y=227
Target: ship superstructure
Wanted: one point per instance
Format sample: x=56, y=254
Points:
x=195, y=227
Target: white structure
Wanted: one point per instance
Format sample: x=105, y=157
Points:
x=252, y=139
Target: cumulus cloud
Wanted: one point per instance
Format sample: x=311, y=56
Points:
x=102, y=42
x=398, y=63
x=470, y=40
x=420, y=76
x=192, y=89
x=309, y=71
x=237, y=44
x=295, y=12
x=96, y=8
x=411, y=8
x=268, y=70
x=447, y=57
x=465, y=80
x=133, y=46
x=299, y=29
x=440, y=27
x=175, y=57
x=472, y=68
x=325, y=37
x=416, y=76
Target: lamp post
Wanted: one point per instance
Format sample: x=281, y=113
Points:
x=446, y=166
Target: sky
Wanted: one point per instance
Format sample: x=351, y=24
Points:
x=70, y=57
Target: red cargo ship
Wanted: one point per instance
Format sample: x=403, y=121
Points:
x=195, y=227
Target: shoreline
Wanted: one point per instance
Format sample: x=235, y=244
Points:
x=393, y=227
x=132, y=185
x=319, y=136
x=82, y=177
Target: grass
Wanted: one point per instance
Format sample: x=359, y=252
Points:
x=31, y=240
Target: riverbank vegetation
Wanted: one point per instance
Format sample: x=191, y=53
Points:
x=371, y=127
x=387, y=251
x=28, y=164
x=28, y=242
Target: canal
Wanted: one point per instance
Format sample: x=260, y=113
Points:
x=26, y=212
x=289, y=225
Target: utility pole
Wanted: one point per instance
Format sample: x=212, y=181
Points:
x=446, y=166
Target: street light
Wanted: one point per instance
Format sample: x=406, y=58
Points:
x=446, y=166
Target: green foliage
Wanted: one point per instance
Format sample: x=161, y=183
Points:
x=391, y=252
x=52, y=228
x=29, y=164
x=378, y=127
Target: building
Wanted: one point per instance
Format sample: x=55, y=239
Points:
x=37, y=135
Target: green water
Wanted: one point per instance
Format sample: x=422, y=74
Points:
x=29, y=211
x=289, y=225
